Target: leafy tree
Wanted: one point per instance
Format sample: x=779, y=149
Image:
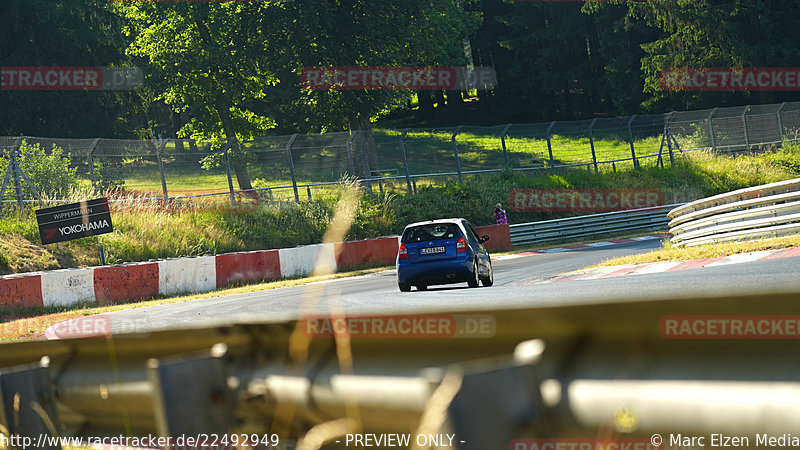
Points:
x=716, y=33
x=48, y=171
x=213, y=58
x=223, y=61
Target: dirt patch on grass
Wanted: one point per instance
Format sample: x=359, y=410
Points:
x=23, y=256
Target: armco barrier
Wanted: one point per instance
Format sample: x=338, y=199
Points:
x=359, y=253
x=499, y=236
x=769, y=210
x=654, y=218
x=116, y=284
x=245, y=267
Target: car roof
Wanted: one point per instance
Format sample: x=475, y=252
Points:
x=428, y=222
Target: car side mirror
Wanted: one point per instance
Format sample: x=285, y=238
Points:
x=484, y=238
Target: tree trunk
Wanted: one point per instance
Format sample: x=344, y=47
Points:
x=180, y=152
x=425, y=103
x=185, y=120
x=438, y=98
x=365, y=154
x=455, y=100
x=242, y=177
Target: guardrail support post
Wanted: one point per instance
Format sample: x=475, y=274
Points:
x=291, y=166
x=591, y=144
x=711, y=130
x=630, y=139
x=503, y=142
x=744, y=128
x=405, y=160
x=780, y=120
x=549, y=145
x=455, y=152
x=230, y=177
x=21, y=391
x=508, y=399
x=192, y=396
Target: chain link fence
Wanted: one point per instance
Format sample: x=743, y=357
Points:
x=293, y=167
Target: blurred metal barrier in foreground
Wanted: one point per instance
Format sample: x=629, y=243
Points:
x=654, y=218
x=758, y=212
x=604, y=369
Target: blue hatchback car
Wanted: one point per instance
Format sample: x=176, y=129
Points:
x=442, y=252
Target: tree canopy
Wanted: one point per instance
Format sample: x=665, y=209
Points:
x=227, y=71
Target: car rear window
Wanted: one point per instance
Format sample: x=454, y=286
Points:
x=431, y=232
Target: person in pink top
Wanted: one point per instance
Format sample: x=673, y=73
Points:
x=500, y=216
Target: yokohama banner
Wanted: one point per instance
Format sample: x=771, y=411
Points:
x=582, y=200
x=73, y=221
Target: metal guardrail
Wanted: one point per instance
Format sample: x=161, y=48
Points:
x=769, y=210
x=653, y=218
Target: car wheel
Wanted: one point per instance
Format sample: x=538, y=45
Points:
x=476, y=278
x=489, y=280
x=404, y=287
x=422, y=287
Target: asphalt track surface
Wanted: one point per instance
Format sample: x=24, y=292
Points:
x=518, y=283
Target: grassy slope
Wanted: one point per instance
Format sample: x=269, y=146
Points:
x=143, y=233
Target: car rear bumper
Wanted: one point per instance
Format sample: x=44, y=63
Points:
x=436, y=272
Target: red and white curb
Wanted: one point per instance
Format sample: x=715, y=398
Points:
x=670, y=266
x=579, y=247
x=143, y=280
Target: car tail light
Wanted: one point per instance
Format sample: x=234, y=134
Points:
x=403, y=252
x=461, y=245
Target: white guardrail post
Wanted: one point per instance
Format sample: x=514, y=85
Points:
x=758, y=212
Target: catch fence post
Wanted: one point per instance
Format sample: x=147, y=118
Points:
x=291, y=167
x=591, y=144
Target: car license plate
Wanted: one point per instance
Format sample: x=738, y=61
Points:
x=431, y=250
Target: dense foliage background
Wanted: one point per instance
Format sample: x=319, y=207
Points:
x=231, y=69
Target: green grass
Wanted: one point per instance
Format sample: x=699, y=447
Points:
x=426, y=151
